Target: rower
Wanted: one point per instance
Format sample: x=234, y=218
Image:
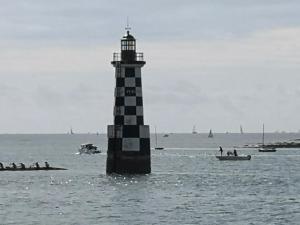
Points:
x=1, y=166
x=22, y=165
x=235, y=152
x=14, y=166
x=47, y=165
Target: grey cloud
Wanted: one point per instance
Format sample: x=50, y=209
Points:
x=97, y=21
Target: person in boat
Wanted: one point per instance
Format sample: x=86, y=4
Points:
x=22, y=165
x=47, y=165
x=221, y=150
x=14, y=166
x=1, y=166
x=229, y=153
x=37, y=166
x=235, y=152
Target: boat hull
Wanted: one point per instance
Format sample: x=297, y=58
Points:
x=267, y=150
x=246, y=157
x=88, y=152
x=32, y=169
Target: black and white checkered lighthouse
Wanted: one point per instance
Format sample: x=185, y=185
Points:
x=128, y=139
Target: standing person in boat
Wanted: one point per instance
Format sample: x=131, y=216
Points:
x=47, y=165
x=235, y=152
x=37, y=166
x=221, y=150
x=1, y=166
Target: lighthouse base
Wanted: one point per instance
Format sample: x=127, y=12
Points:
x=128, y=149
x=125, y=164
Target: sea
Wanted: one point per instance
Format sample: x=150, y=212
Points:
x=188, y=184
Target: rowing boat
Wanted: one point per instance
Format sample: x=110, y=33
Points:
x=31, y=169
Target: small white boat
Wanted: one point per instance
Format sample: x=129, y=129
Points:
x=88, y=148
x=232, y=157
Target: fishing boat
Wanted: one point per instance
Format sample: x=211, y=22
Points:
x=232, y=157
x=264, y=148
x=31, y=168
x=210, y=135
x=88, y=148
x=156, y=147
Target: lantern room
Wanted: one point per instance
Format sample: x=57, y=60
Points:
x=128, y=48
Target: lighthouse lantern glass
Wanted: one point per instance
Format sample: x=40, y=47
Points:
x=127, y=45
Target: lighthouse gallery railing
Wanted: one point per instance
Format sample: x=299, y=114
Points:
x=139, y=56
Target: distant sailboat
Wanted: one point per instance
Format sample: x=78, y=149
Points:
x=210, y=135
x=71, y=131
x=156, y=147
x=194, y=130
x=241, y=130
x=263, y=147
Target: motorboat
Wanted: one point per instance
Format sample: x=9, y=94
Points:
x=232, y=157
x=88, y=148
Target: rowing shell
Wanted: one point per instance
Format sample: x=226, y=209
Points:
x=31, y=169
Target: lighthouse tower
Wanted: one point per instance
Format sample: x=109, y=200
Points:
x=128, y=139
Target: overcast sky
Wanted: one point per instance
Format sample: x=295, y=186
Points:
x=213, y=64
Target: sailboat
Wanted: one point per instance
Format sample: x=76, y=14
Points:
x=156, y=147
x=194, y=130
x=263, y=148
x=241, y=130
x=71, y=131
x=210, y=135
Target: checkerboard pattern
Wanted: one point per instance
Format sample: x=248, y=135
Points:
x=128, y=134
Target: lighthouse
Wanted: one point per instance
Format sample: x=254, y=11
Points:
x=128, y=139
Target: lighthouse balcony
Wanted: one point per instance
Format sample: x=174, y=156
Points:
x=138, y=58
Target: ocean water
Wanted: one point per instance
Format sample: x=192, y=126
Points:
x=188, y=185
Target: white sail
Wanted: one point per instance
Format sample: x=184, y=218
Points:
x=210, y=135
x=194, y=130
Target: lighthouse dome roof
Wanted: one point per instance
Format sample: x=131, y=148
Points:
x=128, y=36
